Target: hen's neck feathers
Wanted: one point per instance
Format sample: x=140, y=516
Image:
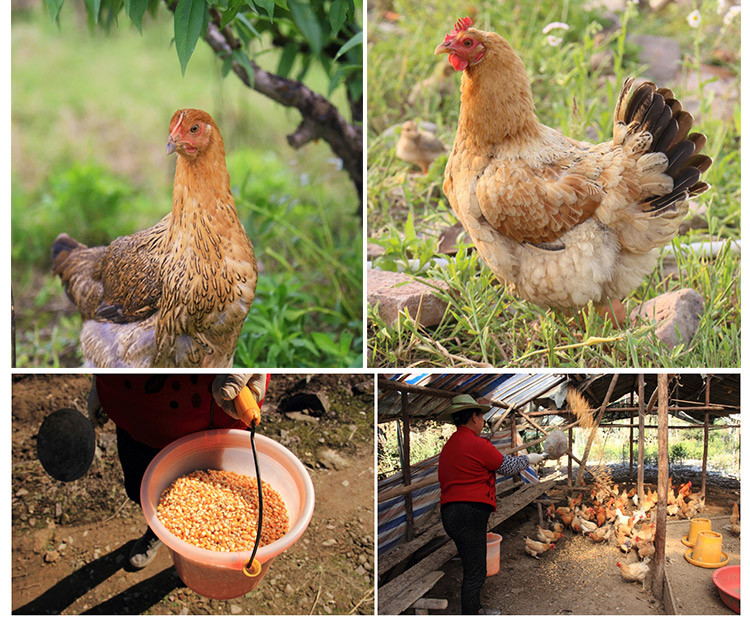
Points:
x=496, y=100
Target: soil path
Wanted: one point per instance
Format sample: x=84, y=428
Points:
x=71, y=540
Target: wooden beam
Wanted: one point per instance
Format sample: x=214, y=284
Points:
x=400, y=386
x=660, y=536
x=570, y=457
x=407, y=465
x=693, y=427
x=641, y=434
x=705, y=439
x=630, y=469
x=431, y=604
x=590, y=442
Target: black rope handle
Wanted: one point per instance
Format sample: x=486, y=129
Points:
x=252, y=572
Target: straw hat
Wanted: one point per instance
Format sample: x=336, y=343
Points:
x=459, y=403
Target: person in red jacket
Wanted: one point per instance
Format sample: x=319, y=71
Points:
x=153, y=410
x=466, y=471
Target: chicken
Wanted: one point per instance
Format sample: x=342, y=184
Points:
x=557, y=528
x=636, y=571
x=734, y=520
x=588, y=526
x=601, y=534
x=176, y=294
x=645, y=548
x=545, y=535
x=646, y=534
x=564, y=222
x=418, y=147
x=535, y=548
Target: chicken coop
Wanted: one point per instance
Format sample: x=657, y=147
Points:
x=624, y=432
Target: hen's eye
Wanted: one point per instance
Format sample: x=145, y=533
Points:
x=468, y=43
x=194, y=128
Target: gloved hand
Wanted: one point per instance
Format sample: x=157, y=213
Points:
x=97, y=416
x=226, y=388
x=535, y=458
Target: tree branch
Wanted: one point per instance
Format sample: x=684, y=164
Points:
x=320, y=118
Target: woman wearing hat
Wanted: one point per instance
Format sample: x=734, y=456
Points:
x=466, y=471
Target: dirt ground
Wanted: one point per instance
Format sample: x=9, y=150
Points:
x=580, y=577
x=70, y=541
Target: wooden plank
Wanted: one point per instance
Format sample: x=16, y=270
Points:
x=705, y=438
x=403, y=551
x=399, y=603
x=389, y=593
x=431, y=604
x=660, y=536
x=507, y=508
x=641, y=434
x=407, y=465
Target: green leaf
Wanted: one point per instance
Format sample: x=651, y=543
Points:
x=188, y=23
x=135, y=10
x=307, y=24
x=355, y=89
x=267, y=6
x=231, y=12
x=287, y=58
x=282, y=4
x=337, y=15
x=306, y=62
x=244, y=62
x=352, y=42
x=226, y=66
x=92, y=7
x=53, y=6
x=248, y=24
x=340, y=74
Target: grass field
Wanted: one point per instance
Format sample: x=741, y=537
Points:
x=90, y=116
x=575, y=84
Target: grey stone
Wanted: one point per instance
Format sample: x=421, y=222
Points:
x=672, y=312
x=331, y=459
x=391, y=292
x=661, y=55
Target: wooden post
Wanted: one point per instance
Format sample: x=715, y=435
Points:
x=706, y=422
x=408, y=504
x=660, y=537
x=641, y=433
x=570, y=458
x=630, y=469
x=594, y=428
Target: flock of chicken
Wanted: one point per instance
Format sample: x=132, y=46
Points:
x=618, y=517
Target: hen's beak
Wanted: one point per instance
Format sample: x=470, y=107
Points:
x=443, y=48
x=171, y=145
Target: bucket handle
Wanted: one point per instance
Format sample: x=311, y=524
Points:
x=249, y=412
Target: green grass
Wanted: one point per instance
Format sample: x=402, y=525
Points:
x=90, y=114
x=484, y=324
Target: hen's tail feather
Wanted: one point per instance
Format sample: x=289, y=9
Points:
x=658, y=112
x=61, y=248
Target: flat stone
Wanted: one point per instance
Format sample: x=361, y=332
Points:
x=677, y=315
x=661, y=55
x=449, y=239
x=331, y=459
x=374, y=250
x=392, y=292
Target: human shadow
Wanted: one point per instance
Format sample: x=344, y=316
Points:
x=77, y=584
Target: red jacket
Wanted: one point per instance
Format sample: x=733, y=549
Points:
x=466, y=468
x=156, y=409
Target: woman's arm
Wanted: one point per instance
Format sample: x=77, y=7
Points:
x=513, y=465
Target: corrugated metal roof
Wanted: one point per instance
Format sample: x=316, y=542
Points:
x=499, y=390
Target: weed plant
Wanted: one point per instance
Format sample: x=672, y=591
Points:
x=575, y=84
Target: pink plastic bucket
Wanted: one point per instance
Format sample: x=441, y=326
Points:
x=216, y=574
x=493, y=553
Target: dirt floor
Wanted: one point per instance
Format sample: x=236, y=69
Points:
x=580, y=577
x=70, y=541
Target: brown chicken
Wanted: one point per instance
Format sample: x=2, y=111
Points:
x=545, y=535
x=564, y=222
x=418, y=147
x=636, y=571
x=535, y=548
x=174, y=295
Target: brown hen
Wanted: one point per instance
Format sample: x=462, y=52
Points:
x=564, y=222
x=174, y=295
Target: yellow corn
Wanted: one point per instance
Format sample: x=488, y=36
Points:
x=218, y=510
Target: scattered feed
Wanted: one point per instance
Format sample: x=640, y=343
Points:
x=218, y=510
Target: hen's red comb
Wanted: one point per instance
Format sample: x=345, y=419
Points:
x=462, y=24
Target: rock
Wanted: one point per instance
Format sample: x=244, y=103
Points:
x=51, y=556
x=345, y=483
x=374, y=250
x=330, y=459
x=677, y=315
x=298, y=416
x=288, y=589
x=661, y=55
x=361, y=571
x=362, y=559
x=329, y=542
x=365, y=387
x=717, y=81
x=21, y=492
x=392, y=292
x=235, y=609
x=449, y=239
